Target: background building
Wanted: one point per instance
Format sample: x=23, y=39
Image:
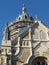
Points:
x=25, y=42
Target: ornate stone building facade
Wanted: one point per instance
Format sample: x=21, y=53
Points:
x=25, y=42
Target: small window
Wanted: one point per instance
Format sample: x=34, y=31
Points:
x=24, y=43
x=25, y=17
x=19, y=18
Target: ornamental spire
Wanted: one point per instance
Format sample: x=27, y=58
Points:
x=23, y=9
x=37, y=18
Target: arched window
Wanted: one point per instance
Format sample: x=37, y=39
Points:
x=27, y=43
x=25, y=17
x=39, y=61
x=24, y=43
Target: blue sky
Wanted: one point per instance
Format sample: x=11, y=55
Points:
x=10, y=9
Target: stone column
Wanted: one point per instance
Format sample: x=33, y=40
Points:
x=5, y=61
x=30, y=37
x=18, y=47
x=30, y=41
x=18, y=41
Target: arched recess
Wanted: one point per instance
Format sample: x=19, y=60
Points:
x=36, y=35
x=38, y=61
x=42, y=35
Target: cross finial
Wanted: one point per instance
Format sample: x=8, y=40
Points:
x=23, y=5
